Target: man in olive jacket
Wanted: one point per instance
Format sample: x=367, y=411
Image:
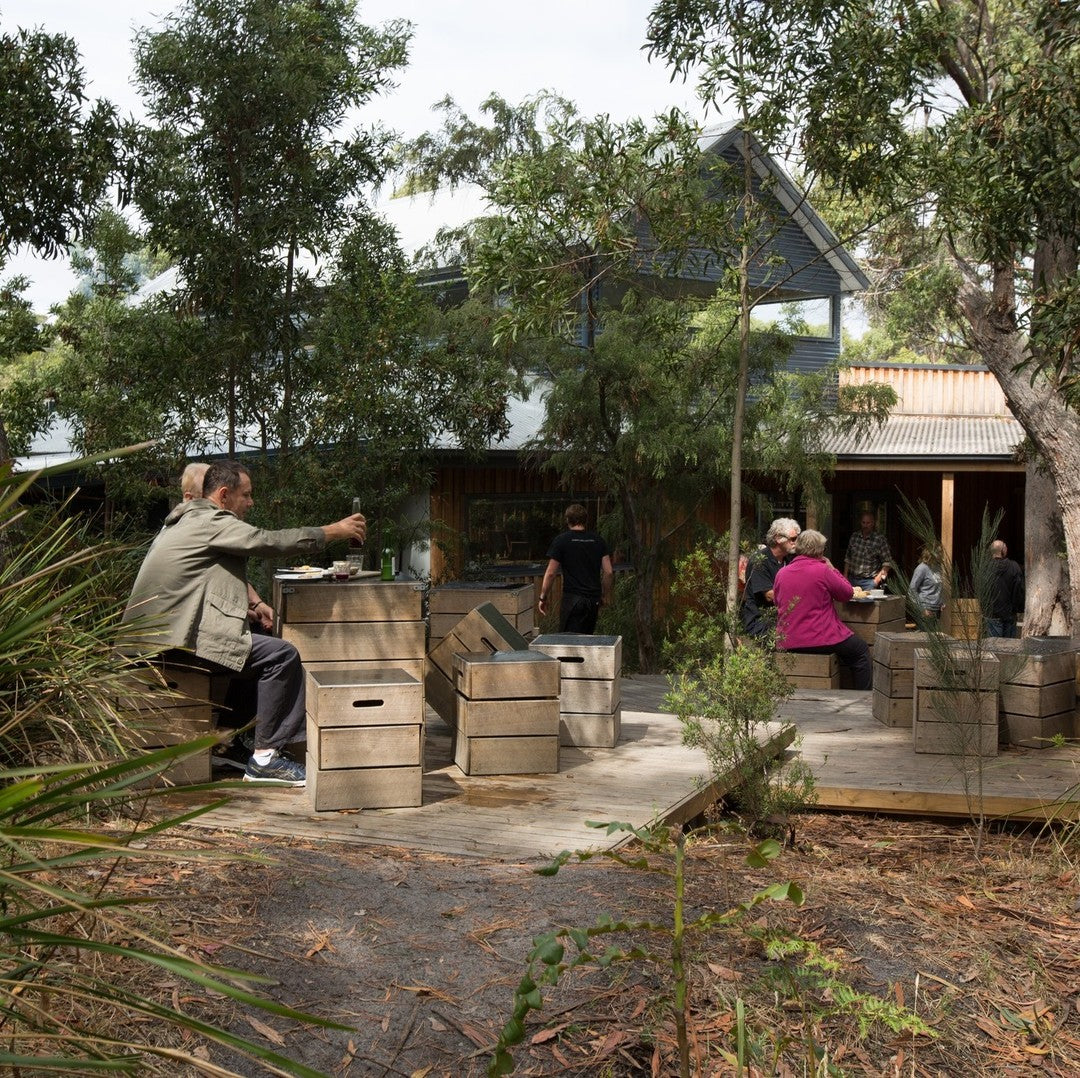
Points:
x=191, y=593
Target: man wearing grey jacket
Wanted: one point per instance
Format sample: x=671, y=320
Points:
x=191, y=593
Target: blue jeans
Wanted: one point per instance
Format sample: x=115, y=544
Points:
x=1005, y=627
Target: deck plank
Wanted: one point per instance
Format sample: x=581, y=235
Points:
x=858, y=764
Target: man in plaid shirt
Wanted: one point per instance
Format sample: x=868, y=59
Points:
x=867, y=561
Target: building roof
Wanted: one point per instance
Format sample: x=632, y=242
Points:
x=717, y=139
x=908, y=438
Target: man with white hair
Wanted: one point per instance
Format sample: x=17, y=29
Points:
x=758, y=605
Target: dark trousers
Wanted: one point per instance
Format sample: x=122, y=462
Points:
x=852, y=653
x=577, y=614
x=274, y=674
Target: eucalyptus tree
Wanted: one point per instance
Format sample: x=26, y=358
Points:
x=964, y=114
x=250, y=169
x=597, y=251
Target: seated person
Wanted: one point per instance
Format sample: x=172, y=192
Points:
x=191, y=593
x=806, y=619
x=758, y=606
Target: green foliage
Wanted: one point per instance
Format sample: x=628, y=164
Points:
x=76, y=955
x=251, y=165
x=58, y=154
x=664, y=856
x=723, y=690
x=803, y=974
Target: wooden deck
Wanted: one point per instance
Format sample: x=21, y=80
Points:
x=649, y=774
x=859, y=765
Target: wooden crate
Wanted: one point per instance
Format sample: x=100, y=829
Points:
x=893, y=682
x=506, y=718
x=896, y=649
x=363, y=787
x=892, y=710
x=1037, y=731
x=297, y=601
x=439, y=693
x=339, y=696
x=955, y=724
x=461, y=596
x=589, y=730
x=593, y=697
x=969, y=667
x=507, y=755
x=506, y=675
x=878, y=612
x=965, y=619
x=481, y=630
x=581, y=656
x=359, y=667
x=335, y=748
x=335, y=641
x=804, y=671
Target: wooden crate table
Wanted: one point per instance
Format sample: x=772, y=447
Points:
x=483, y=630
x=868, y=617
x=364, y=624
x=809, y=671
x=590, y=707
x=365, y=738
x=956, y=708
x=1038, y=689
x=506, y=713
x=449, y=603
x=893, y=701
x=163, y=704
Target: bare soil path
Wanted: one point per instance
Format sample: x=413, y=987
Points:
x=419, y=954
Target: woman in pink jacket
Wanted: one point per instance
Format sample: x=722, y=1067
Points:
x=804, y=592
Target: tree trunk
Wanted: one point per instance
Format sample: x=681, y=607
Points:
x=1047, y=611
x=1053, y=427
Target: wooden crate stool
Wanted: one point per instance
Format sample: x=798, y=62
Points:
x=162, y=704
x=590, y=707
x=506, y=713
x=365, y=738
x=956, y=703
x=1037, y=690
x=807, y=671
x=867, y=619
x=893, y=700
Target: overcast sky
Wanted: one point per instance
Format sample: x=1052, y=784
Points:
x=587, y=51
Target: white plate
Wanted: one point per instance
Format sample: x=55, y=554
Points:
x=876, y=593
x=295, y=574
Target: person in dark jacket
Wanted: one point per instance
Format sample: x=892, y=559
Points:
x=191, y=594
x=1006, y=592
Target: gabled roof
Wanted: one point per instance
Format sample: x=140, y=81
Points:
x=722, y=138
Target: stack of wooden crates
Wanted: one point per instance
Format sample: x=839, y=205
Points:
x=487, y=686
x=506, y=713
x=893, y=701
x=164, y=704
x=956, y=701
x=1038, y=689
x=590, y=707
x=362, y=645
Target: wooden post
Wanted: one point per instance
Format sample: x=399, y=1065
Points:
x=948, y=504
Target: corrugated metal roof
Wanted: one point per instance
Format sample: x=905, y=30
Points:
x=933, y=437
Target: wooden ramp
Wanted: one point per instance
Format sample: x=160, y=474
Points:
x=649, y=774
x=860, y=765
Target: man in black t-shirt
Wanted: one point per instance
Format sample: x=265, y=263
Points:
x=587, y=574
